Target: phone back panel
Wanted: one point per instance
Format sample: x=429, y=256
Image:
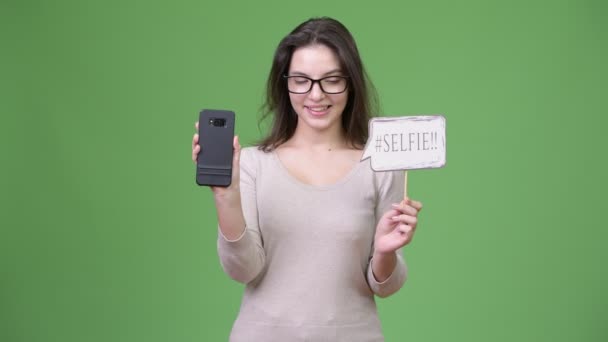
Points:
x=216, y=133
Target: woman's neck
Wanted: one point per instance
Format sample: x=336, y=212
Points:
x=331, y=139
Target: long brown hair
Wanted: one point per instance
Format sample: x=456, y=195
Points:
x=362, y=97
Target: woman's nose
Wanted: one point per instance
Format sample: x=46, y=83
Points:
x=316, y=93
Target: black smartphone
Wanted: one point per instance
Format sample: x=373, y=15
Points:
x=215, y=136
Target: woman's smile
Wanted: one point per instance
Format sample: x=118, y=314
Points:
x=317, y=110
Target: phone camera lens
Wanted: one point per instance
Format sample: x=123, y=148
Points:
x=217, y=122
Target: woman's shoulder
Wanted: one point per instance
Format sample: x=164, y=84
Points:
x=254, y=152
x=253, y=156
x=384, y=178
x=390, y=181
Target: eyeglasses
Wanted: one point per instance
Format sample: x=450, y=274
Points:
x=329, y=84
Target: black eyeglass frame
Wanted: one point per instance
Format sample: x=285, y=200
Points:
x=313, y=81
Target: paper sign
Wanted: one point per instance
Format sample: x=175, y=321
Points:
x=406, y=143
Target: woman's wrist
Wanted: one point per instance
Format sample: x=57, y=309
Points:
x=383, y=265
x=229, y=197
x=229, y=212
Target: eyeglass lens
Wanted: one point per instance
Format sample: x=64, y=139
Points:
x=330, y=85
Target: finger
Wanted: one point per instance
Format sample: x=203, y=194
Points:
x=407, y=219
x=195, y=151
x=402, y=235
x=405, y=208
x=237, y=150
x=196, y=125
x=194, y=140
x=416, y=204
x=407, y=233
x=236, y=144
x=237, y=147
x=405, y=229
x=236, y=159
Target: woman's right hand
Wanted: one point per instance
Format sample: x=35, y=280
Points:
x=227, y=199
x=223, y=193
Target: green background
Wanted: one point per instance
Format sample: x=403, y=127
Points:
x=105, y=236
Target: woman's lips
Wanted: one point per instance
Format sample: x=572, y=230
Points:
x=318, y=110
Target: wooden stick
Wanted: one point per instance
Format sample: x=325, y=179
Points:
x=405, y=186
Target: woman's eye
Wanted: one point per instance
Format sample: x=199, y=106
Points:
x=333, y=80
x=300, y=80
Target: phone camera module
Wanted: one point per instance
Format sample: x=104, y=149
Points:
x=217, y=122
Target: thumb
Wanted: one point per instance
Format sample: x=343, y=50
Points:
x=237, y=147
x=236, y=158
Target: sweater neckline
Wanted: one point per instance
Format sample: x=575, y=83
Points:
x=350, y=174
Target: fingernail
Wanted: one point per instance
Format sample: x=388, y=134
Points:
x=395, y=205
x=395, y=218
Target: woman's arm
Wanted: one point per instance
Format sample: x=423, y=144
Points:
x=387, y=270
x=395, y=229
x=239, y=244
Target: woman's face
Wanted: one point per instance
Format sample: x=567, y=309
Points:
x=317, y=109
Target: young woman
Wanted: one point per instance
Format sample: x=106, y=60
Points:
x=314, y=233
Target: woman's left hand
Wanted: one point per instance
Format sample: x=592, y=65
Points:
x=397, y=226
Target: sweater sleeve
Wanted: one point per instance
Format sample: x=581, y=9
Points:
x=389, y=187
x=243, y=258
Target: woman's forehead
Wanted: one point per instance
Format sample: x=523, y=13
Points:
x=314, y=60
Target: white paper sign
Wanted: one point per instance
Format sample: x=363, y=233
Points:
x=406, y=143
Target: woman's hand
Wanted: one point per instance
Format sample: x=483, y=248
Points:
x=395, y=229
x=227, y=199
x=397, y=226
x=224, y=193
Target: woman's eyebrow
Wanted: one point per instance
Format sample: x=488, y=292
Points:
x=299, y=73
x=335, y=71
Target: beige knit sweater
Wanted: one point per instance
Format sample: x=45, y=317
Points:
x=305, y=254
